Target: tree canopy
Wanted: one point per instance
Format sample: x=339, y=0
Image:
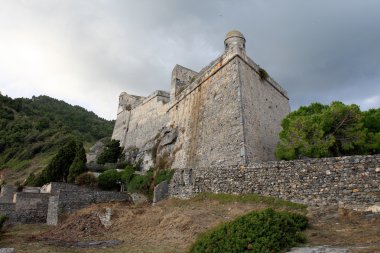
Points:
x=111, y=152
x=329, y=130
x=65, y=166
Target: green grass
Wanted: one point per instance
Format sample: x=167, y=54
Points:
x=252, y=198
x=17, y=165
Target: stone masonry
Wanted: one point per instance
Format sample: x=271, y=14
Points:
x=351, y=180
x=51, y=202
x=226, y=114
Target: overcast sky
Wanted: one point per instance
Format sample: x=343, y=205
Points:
x=87, y=52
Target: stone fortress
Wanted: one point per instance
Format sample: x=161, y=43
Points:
x=226, y=114
x=218, y=129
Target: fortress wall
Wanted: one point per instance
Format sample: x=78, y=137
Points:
x=263, y=108
x=121, y=125
x=181, y=77
x=147, y=120
x=210, y=132
x=351, y=180
x=126, y=104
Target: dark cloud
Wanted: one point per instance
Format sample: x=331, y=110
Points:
x=87, y=52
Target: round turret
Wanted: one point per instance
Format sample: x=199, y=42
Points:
x=234, y=39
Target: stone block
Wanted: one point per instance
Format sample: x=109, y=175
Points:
x=161, y=191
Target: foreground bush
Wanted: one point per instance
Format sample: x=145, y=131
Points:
x=260, y=232
x=109, y=180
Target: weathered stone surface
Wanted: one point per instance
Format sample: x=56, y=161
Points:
x=7, y=250
x=7, y=192
x=31, y=189
x=105, y=217
x=68, y=201
x=138, y=198
x=95, y=151
x=353, y=180
x=55, y=199
x=31, y=207
x=161, y=191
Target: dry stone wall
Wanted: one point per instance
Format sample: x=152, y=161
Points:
x=68, y=201
x=31, y=207
x=352, y=180
x=53, y=200
x=7, y=192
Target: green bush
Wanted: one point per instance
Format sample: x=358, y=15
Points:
x=128, y=174
x=111, y=153
x=263, y=74
x=86, y=179
x=3, y=219
x=141, y=183
x=163, y=175
x=109, y=179
x=265, y=231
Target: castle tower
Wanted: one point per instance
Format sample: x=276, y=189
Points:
x=234, y=42
x=229, y=114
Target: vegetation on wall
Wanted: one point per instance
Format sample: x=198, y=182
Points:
x=329, y=130
x=30, y=128
x=263, y=74
x=264, y=231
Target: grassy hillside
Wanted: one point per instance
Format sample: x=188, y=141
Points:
x=31, y=130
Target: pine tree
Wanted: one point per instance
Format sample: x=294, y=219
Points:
x=78, y=165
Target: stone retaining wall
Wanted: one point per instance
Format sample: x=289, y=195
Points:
x=7, y=192
x=68, y=201
x=31, y=207
x=54, y=199
x=352, y=180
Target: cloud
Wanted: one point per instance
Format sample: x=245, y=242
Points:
x=87, y=52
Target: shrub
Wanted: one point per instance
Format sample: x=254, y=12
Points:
x=263, y=74
x=109, y=179
x=86, y=179
x=3, y=219
x=128, y=173
x=141, y=183
x=265, y=231
x=35, y=180
x=111, y=153
x=163, y=175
